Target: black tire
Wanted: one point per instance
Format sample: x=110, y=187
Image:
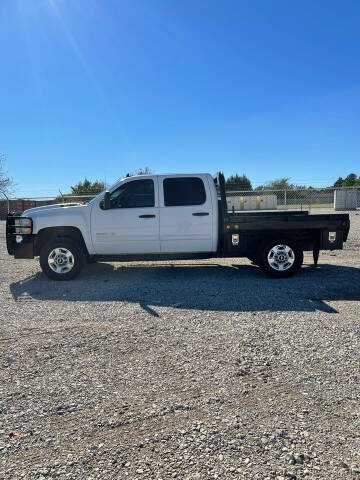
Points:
x=293, y=258
x=70, y=245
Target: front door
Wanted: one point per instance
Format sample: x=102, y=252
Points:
x=186, y=214
x=131, y=225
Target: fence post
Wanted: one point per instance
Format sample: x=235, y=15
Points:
x=62, y=196
x=285, y=199
x=7, y=201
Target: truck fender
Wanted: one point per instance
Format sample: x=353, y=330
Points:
x=48, y=233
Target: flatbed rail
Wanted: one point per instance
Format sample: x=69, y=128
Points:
x=315, y=232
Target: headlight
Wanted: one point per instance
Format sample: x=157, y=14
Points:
x=23, y=226
x=23, y=222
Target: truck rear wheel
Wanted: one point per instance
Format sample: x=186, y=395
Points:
x=280, y=258
x=62, y=258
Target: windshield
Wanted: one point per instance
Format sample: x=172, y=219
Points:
x=103, y=192
x=97, y=196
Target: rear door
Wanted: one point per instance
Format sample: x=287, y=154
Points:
x=131, y=225
x=186, y=214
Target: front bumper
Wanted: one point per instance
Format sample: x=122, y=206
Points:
x=19, y=249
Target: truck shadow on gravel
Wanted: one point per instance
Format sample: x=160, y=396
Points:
x=202, y=287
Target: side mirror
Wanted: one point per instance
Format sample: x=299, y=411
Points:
x=107, y=200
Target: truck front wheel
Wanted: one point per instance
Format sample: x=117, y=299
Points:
x=280, y=258
x=62, y=258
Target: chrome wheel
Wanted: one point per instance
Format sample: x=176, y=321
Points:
x=61, y=260
x=281, y=257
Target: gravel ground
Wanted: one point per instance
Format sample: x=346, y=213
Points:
x=187, y=370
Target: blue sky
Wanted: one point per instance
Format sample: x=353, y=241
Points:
x=96, y=88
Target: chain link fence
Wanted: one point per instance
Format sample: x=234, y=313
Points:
x=238, y=200
x=292, y=199
x=25, y=203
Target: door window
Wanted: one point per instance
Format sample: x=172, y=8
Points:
x=134, y=194
x=183, y=191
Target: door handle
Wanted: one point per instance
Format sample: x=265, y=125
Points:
x=200, y=214
x=147, y=216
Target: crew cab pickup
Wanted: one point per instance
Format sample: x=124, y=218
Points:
x=175, y=216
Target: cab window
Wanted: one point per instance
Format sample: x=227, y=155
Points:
x=134, y=194
x=183, y=191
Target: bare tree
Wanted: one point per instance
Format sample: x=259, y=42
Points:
x=140, y=171
x=6, y=183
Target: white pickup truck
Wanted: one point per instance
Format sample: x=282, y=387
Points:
x=174, y=216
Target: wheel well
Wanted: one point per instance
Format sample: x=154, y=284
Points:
x=305, y=239
x=46, y=234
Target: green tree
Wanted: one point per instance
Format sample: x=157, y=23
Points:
x=277, y=184
x=6, y=183
x=350, y=180
x=87, y=187
x=240, y=182
x=339, y=182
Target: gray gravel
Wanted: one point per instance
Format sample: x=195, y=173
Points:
x=187, y=370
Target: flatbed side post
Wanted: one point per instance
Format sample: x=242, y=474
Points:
x=221, y=184
x=223, y=211
x=316, y=250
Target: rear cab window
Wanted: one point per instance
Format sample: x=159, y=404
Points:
x=183, y=191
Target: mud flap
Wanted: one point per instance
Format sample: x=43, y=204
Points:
x=316, y=252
